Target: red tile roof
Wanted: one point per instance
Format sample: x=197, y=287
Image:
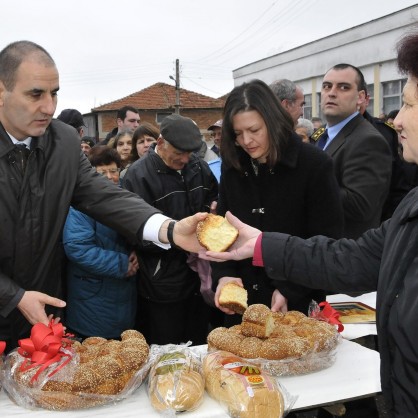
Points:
x=163, y=96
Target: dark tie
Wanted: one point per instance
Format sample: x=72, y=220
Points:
x=22, y=152
x=323, y=139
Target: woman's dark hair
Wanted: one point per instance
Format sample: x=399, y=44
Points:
x=407, y=49
x=144, y=129
x=255, y=95
x=103, y=155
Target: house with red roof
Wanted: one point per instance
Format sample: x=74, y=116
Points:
x=154, y=103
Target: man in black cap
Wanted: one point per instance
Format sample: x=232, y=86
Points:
x=73, y=118
x=179, y=183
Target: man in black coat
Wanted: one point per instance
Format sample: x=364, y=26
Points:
x=43, y=172
x=404, y=174
x=362, y=158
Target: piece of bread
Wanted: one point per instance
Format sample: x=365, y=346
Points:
x=240, y=386
x=215, y=233
x=233, y=297
x=257, y=321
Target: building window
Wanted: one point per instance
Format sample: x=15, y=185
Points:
x=370, y=92
x=307, y=109
x=161, y=115
x=392, y=95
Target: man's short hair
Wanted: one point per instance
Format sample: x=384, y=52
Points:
x=361, y=83
x=14, y=54
x=124, y=110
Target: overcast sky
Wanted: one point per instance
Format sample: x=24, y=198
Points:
x=109, y=49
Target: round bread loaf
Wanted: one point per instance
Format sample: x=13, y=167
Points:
x=176, y=383
x=215, y=233
x=98, y=367
x=305, y=344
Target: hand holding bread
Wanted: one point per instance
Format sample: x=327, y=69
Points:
x=215, y=233
x=242, y=247
x=230, y=296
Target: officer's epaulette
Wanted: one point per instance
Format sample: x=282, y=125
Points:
x=317, y=134
x=390, y=124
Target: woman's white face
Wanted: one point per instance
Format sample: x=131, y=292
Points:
x=143, y=144
x=406, y=122
x=252, y=135
x=124, y=147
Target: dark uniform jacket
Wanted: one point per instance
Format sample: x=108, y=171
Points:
x=164, y=275
x=363, y=166
x=33, y=209
x=384, y=259
x=404, y=175
x=299, y=195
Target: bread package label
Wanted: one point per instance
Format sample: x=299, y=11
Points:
x=251, y=376
x=170, y=362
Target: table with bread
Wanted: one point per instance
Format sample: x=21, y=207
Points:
x=267, y=365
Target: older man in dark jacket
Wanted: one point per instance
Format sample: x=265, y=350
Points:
x=177, y=182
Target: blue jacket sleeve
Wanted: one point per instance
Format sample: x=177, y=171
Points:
x=82, y=250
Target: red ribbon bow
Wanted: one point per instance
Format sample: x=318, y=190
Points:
x=43, y=348
x=329, y=314
x=2, y=347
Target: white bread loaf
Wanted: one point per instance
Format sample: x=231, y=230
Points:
x=215, y=233
x=242, y=387
x=176, y=383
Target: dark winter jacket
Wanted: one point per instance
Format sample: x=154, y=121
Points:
x=33, y=209
x=101, y=300
x=384, y=259
x=164, y=276
x=300, y=195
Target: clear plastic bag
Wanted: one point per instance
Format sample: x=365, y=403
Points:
x=176, y=382
x=86, y=375
x=243, y=389
x=296, y=346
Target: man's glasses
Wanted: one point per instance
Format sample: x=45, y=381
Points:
x=111, y=171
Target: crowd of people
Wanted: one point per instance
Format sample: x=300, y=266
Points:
x=101, y=235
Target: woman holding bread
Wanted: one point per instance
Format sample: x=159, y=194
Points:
x=383, y=259
x=273, y=181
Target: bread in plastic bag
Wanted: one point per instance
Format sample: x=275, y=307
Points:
x=175, y=382
x=244, y=389
x=83, y=375
x=296, y=345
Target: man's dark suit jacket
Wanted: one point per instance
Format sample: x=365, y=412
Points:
x=363, y=166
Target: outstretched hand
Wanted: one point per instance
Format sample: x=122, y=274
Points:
x=32, y=306
x=242, y=248
x=184, y=233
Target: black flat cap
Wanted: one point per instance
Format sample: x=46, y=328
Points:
x=182, y=133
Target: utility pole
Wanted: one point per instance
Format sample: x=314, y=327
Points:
x=177, y=86
x=177, y=81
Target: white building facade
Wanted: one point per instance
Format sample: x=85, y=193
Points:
x=370, y=47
